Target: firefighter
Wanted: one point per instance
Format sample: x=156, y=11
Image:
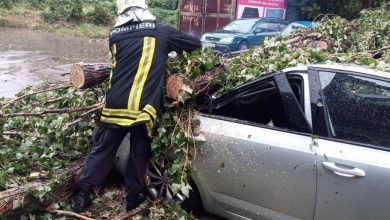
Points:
x=139, y=46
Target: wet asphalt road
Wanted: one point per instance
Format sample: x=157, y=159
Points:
x=29, y=57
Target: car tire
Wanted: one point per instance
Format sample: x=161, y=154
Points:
x=243, y=46
x=194, y=203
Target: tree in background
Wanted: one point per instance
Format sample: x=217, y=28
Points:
x=164, y=4
x=310, y=9
x=166, y=11
x=63, y=10
x=100, y=12
x=94, y=11
x=7, y=3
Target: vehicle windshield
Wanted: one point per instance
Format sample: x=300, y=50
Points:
x=243, y=26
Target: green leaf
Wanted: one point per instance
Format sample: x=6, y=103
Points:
x=16, y=204
x=185, y=189
x=175, y=188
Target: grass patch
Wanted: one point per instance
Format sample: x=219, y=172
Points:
x=80, y=30
x=22, y=9
x=86, y=30
x=19, y=16
x=25, y=16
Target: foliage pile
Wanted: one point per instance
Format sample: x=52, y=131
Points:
x=41, y=144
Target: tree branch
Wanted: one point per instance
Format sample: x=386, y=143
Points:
x=136, y=211
x=364, y=52
x=379, y=50
x=67, y=213
x=61, y=111
x=11, y=132
x=34, y=93
x=82, y=117
x=47, y=101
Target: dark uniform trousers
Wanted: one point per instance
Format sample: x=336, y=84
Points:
x=101, y=159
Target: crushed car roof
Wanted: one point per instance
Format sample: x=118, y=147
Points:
x=342, y=67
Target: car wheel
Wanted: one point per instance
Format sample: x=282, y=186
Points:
x=194, y=203
x=243, y=46
x=159, y=186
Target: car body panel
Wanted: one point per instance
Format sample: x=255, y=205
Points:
x=246, y=164
x=338, y=196
x=213, y=40
x=353, y=68
x=351, y=198
x=257, y=38
x=353, y=177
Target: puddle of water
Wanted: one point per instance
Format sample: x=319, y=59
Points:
x=30, y=57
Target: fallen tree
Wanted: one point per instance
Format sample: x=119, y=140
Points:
x=20, y=200
x=38, y=135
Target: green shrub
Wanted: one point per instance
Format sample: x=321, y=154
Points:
x=164, y=4
x=37, y=3
x=6, y=3
x=63, y=10
x=103, y=13
x=168, y=17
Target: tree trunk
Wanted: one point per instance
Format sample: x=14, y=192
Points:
x=87, y=75
x=28, y=202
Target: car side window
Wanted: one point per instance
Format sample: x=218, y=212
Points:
x=261, y=105
x=269, y=26
x=356, y=108
x=297, y=86
x=274, y=26
x=262, y=27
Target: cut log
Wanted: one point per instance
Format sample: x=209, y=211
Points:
x=85, y=76
x=303, y=37
x=174, y=85
x=28, y=203
x=322, y=45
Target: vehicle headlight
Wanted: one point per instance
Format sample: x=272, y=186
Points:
x=226, y=40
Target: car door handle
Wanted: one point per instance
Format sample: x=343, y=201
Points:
x=345, y=172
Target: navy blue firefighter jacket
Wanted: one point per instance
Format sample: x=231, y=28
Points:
x=139, y=56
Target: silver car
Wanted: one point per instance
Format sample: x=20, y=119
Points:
x=304, y=143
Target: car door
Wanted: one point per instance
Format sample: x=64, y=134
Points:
x=264, y=29
x=353, y=148
x=259, y=33
x=257, y=160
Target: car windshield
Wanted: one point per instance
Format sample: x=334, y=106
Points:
x=243, y=26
